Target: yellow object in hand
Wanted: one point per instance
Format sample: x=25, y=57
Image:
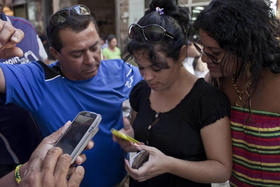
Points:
x=123, y=136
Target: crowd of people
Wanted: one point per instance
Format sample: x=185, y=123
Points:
x=196, y=130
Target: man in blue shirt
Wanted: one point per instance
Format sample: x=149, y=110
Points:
x=78, y=81
x=19, y=134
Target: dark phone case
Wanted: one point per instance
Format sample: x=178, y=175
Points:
x=140, y=159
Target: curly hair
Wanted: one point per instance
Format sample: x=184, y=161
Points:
x=247, y=29
x=174, y=19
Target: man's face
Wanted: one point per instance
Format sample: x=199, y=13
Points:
x=80, y=54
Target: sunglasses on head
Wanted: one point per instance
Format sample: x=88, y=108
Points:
x=153, y=32
x=76, y=10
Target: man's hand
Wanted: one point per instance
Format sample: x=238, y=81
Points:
x=9, y=37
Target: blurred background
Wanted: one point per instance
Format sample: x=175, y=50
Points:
x=113, y=16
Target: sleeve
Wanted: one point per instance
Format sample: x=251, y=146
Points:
x=136, y=95
x=214, y=105
x=24, y=85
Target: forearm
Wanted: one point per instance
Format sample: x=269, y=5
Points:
x=10, y=180
x=199, y=171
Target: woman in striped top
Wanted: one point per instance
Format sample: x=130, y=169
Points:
x=241, y=47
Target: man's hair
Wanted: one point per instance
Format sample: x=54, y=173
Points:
x=76, y=23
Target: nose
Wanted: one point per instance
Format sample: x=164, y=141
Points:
x=89, y=58
x=148, y=75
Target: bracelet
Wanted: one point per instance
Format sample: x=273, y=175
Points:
x=17, y=174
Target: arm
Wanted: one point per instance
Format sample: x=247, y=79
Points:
x=217, y=168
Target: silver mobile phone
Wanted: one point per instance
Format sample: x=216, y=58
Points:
x=80, y=132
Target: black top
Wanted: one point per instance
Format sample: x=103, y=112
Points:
x=177, y=132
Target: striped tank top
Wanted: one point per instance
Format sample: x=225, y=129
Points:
x=256, y=148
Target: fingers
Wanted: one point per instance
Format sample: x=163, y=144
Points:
x=51, y=160
x=6, y=53
x=55, y=136
x=145, y=147
x=6, y=33
x=137, y=174
x=80, y=159
x=77, y=177
x=49, y=165
x=17, y=36
x=62, y=167
x=90, y=145
x=9, y=37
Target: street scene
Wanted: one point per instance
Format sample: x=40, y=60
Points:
x=139, y=93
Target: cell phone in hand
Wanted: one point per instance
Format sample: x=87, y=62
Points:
x=80, y=132
x=123, y=136
x=139, y=159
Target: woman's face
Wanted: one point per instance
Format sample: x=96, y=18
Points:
x=158, y=79
x=113, y=42
x=219, y=63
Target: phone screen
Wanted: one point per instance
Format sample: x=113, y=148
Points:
x=75, y=133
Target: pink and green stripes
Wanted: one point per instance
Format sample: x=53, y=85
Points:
x=256, y=148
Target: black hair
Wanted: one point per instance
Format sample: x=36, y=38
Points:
x=174, y=19
x=110, y=37
x=246, y=29
x=76, y=23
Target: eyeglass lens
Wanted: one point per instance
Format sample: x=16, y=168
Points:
x=153, y=33
x=202, y=51
x=150, y=32
x=60, y=16
x=81, y=10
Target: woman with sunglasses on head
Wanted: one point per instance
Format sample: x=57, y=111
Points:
x=182, y=120
x=241, y=49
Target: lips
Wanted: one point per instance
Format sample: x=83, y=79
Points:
x=152, y=85
x=90, y=70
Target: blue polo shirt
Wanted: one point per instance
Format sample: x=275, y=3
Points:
x=53, y=100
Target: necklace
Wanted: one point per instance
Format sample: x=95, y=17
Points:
x=242, y=95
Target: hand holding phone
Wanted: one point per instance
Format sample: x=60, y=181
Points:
x=80, y=132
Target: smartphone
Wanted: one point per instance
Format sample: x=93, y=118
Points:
x=123, y=136
x=81, y=131
x=139, y=159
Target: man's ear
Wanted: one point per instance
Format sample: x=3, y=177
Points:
x=54, y=53
x=183, y=53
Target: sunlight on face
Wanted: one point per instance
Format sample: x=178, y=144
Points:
x=80, y=55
